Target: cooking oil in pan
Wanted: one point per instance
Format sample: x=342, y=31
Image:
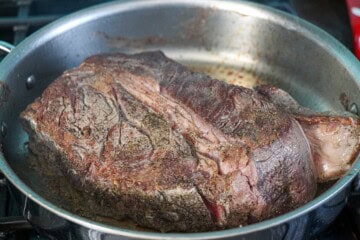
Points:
x=230, y=75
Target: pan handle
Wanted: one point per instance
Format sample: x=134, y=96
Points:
x=6, y=47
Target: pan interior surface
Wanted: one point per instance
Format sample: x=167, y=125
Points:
x=204, y=35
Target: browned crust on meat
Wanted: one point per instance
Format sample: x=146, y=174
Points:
x=314, y=119
x=334, y=139
x=132, y=127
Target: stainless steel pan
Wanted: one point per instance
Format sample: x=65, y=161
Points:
x=292, y=54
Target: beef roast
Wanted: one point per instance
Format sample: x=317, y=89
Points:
x=334, y=139
x=175, y=150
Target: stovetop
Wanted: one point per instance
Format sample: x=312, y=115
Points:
x=19, y=18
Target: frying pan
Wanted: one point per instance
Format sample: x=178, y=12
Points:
x=290, y=53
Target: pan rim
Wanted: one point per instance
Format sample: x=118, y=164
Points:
x=252, y=9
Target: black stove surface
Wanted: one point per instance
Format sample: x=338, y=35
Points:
x=19, y=18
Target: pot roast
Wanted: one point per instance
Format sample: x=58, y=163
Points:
x=175, y=150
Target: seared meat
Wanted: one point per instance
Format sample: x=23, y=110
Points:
x=175, y=150
x=334, y=139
